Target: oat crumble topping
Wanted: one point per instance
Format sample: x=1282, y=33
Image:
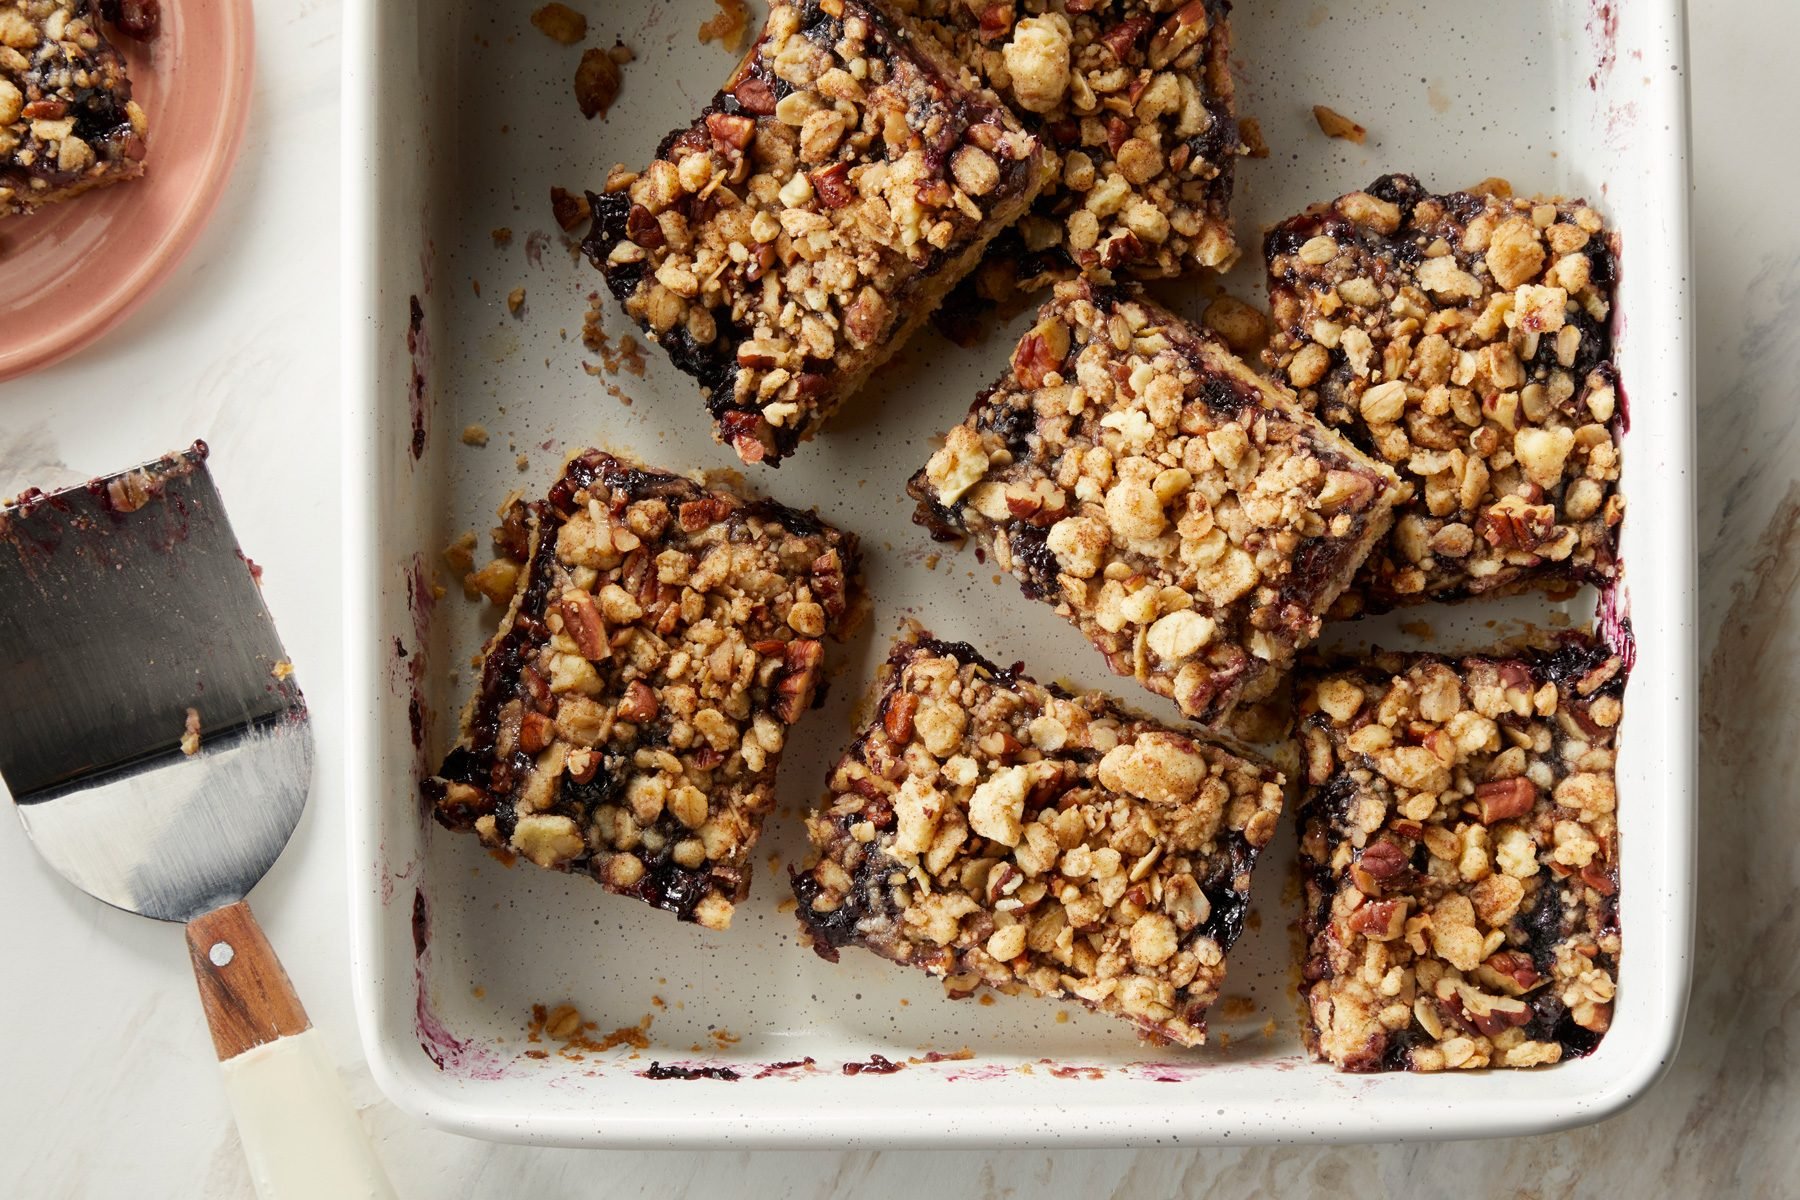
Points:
x=786, y=243
x=1176, y=507
x=994, y=831
x=1463, y=339
x=633, y=706
x=1136, y=98
x=1459, y=846
x=67, y=119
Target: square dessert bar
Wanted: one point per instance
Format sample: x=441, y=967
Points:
x=1137, y=99
x=1462, y=338
x=632, y=708
x=1181, y=511
x=67, y=119
x=992, y=830
x=787, y=242
x=1460, y=854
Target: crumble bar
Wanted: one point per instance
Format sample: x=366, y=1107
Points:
x=1463, y=339
x=785, y=244
x=67, y=119
x=991, y=830
x=1180, y=510
x=1460, y=855
x=633, y=706
x=1136, y=97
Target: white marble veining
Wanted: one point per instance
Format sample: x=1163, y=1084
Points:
x=107, y=1085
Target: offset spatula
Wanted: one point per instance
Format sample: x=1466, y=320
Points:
x=158, y=751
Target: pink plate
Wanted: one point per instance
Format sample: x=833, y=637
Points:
x=70, y=273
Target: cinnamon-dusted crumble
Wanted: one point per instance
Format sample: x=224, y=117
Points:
x=67, y=119
x=1176, y=507
x=991, y=830
x=1462, y=338
x=1136, y=97
x=634, y=703
x=786, y=243
x=1459, y=847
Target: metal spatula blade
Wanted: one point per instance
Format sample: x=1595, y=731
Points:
x=158, y=751
x=124, y=603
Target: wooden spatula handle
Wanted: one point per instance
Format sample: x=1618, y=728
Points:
x=244, y=989
x=300, y=1134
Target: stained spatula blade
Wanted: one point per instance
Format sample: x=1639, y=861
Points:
x=124, y=603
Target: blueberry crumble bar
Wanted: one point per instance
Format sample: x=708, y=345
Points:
x=992, y=830
x=633, y=706
x=1463, y=339
x=1459, y=848
x=67, y=119
x=786, y=243
x=1180, y=510
x=1135, y=96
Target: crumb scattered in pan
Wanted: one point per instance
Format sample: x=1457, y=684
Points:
x=569, y=209
x=1336, y=125
x=282, y=670
x=190, y=733
x=474, y=435
x=1244, y=328
x=621, y=53
x=497, y=581
x=727, y=26
x=459, y=555
x=515, y=301
x=1250, y=130
x=597, y=82
x=561, y=23
x=476, y=284
x=521, y=462
x=565, y=1024
x=502, y=236
x=1236, y=1008
x=1419, y=629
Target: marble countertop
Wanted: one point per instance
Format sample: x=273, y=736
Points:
x=110, y=1088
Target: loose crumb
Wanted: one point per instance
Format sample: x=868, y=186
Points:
x=282, y=670
x=459, y=555
x=502, y=236
x=1335, y=124
x=476, y=284
x=515, y=300
x=190, y=733
x=727, y=26
x=1250, y=130
x=521, y=462
x=561, y=23
x=1244, y=327
x=597, y=82
x=474, y=435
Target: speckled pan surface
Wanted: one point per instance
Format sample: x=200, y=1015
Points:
x=459, y=119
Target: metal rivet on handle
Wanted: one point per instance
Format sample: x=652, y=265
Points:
x=220, y=954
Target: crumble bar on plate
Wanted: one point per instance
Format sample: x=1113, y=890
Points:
x=992, y=830
x=1463, y=339
x=1459, y=848
x=633, y=706
x=67, y=119
x=785, y=244
x=1180, y=510
x=1136, y=98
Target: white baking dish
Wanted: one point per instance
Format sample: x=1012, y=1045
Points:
x=459, y=119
